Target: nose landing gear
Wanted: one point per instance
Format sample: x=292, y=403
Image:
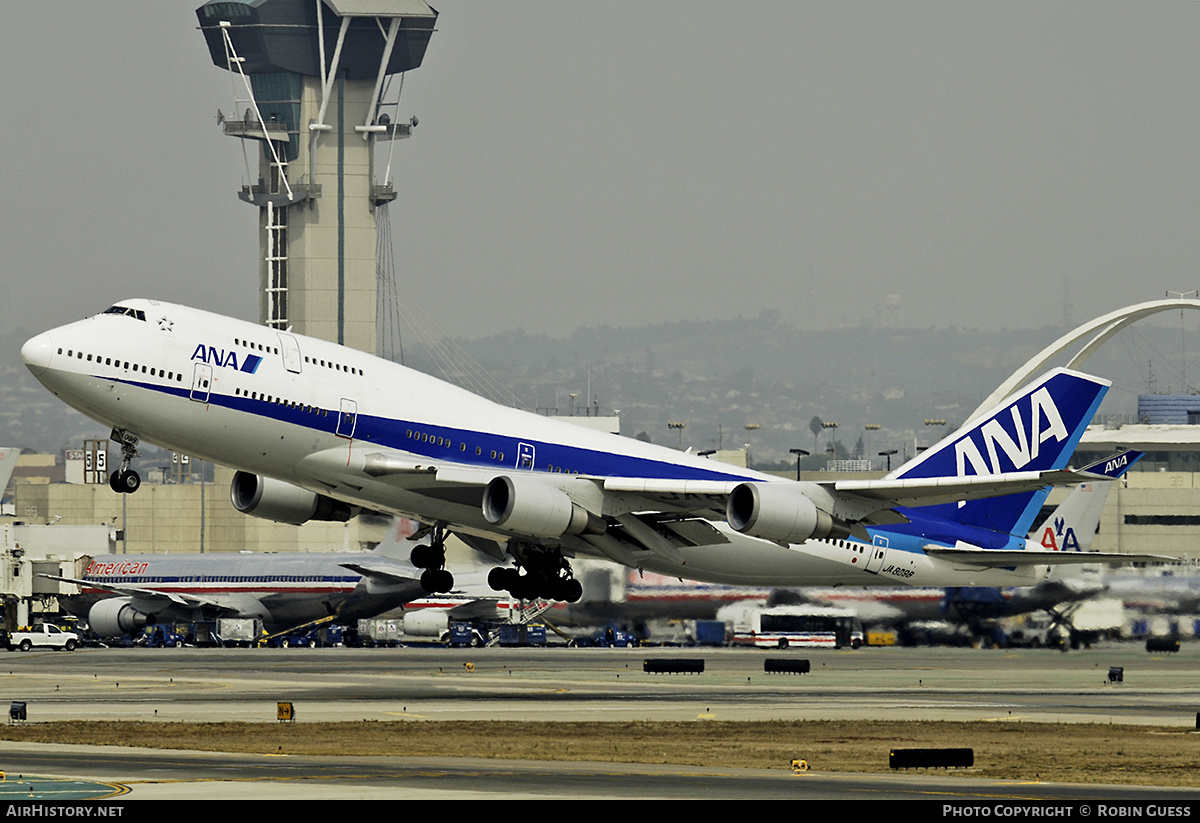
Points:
x=125, y=480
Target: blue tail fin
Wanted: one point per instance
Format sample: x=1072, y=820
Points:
x=1035, y=429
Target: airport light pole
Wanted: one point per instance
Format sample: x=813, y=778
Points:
x=800, y=453
x=933, y=421
x=680, y=426
x=888, y=454
x=750, y=427
x=870, y=427
x=831, y=424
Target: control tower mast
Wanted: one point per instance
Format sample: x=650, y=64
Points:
x=313, y=74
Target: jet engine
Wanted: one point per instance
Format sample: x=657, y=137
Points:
x=526, y=505
x=275, y=500
x=426, y=622
x=781, y=512
x=117, y=616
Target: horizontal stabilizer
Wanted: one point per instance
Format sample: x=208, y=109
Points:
x=387, y=571
x=1006, y=558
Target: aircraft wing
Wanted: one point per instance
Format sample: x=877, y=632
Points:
x=619, y=516
x=148, y=596
x=930, y=491
x=1006, y=558
x=383, y=570
x=856, y=500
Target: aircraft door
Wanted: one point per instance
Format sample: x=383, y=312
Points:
x=347, y=418
x=879, y=547
x=525, y=454
x=289, y=348
x=201, y=382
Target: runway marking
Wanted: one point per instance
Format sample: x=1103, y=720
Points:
x=59, y=788
x=408, y=714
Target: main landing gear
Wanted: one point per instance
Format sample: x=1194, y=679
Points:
x=432, y=559
x=547, y=575
x=125, y=480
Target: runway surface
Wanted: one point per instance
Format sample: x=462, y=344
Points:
x=564, y=684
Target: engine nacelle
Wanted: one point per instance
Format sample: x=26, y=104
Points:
x=116, y=616
x=779, y=511
x=526, y=505
x=282, y=502
x=426, y=622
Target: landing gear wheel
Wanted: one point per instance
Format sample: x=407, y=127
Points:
x=125, y=480
x=572, y=590
x=432, y=559
x=547, y=576
x=427, y=557
x=434, y=581
x=502, y=579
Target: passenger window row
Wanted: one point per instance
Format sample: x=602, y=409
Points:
x=498, y=456
x=279, y=401
x=328, y=364
x=124, y=364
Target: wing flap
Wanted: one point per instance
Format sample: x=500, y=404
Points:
x=929, y=491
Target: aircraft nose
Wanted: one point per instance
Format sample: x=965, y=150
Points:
x=36, y=353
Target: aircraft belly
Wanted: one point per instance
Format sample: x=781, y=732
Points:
x=749, y=561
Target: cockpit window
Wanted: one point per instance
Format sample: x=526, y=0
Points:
x=136, y=313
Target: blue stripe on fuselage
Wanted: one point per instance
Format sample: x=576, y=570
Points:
x=394, y=434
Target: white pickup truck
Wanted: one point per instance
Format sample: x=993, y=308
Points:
x=43, y=635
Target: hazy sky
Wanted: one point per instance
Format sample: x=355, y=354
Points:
x=579, y=163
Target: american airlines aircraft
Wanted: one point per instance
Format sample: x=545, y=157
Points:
x=319, y=431
x=122, y=594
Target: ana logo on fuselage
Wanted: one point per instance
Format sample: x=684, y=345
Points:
x=1020, y=447
x=226, y=359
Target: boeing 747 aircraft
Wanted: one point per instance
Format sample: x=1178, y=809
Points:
x=319, y=431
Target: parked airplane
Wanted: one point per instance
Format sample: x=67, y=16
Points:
x=319, y=431
x=122, y=594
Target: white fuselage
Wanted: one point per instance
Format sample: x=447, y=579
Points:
x=315, y=414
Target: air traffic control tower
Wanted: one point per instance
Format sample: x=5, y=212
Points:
x=311, y=77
